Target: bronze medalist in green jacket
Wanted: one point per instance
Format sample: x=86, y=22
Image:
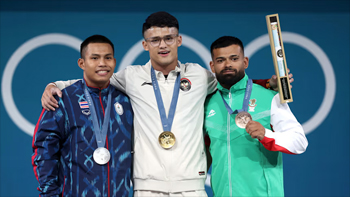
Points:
x=242, y=165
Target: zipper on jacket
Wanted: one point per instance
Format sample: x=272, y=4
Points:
x=229, y=146
x=103, y=112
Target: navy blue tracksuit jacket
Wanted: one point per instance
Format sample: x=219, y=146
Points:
x=64, y=142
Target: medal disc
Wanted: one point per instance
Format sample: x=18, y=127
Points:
x=166, y=139
x=242, y=119
x=101, y=156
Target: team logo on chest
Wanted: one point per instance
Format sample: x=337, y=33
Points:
x=185, y=84
x=252, y=105
x=211, y=113
x=118, y=108
x=84, y=105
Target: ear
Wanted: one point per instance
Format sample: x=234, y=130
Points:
x=81, y=63
x=212, y=66
x=115, y=62
x=179, y=41
x=145, y=45
x=246, y=62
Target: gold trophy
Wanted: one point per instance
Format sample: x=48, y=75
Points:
x=279, y=58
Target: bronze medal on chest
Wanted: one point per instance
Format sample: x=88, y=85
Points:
x=242, y=119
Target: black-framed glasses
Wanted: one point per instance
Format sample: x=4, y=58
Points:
x=168, y=39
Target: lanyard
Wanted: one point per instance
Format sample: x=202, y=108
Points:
x=99, y=133
x=248, y=91
x=166, y=122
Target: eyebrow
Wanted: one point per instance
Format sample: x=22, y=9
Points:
x=220, y=58
x=94, y=54
x=228, y=57
x=160, y=36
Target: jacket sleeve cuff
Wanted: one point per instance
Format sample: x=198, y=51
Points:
x=270, y=144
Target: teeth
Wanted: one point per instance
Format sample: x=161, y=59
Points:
x=102, y=71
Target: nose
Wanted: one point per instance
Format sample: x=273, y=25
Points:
x=162, y=43
x=228, y=63
x=102, y=62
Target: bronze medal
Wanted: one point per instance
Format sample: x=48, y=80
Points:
x=242, y=119
x=166, y=139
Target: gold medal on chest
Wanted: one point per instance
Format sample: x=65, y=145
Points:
x=167, y=139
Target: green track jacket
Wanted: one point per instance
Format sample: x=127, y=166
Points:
x=243, y=166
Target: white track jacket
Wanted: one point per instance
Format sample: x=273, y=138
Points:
x=183, y=167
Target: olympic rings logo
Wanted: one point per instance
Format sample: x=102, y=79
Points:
x=189, y=42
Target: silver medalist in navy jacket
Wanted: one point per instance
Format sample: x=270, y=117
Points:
x=64, y=142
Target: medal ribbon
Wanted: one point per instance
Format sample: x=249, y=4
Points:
x=248, y=91
x=166, y=122
x=99, y=133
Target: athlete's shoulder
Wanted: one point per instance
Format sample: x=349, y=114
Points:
x=135, y=67
x=133, y=70
x=78, y=85
x=195, y=69
x=73, y=92
x=190, y=65
x=211, y=98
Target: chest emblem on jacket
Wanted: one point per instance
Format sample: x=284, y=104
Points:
x=185, y=84
x=84, y=106
x=211, y=113
x=252, y=105
x=118, y=108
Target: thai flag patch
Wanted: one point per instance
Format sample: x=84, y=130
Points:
x=84, y=104
x=201, y=173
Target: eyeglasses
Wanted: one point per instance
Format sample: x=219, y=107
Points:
x=168, y=39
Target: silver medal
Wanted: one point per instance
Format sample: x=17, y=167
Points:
x=101, y=156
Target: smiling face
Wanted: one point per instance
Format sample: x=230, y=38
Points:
x=229, y=65
x=98, y=64
x=164, y=55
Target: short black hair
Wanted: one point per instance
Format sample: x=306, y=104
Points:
x=225, y=41
x=160, y=19
x=94, y=39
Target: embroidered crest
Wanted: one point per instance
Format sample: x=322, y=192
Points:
x=86, y=111
x=252, y=105
x=84, y=105
x=118, y=108
x=185, y=84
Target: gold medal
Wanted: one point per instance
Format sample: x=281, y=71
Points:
x=242, y=119
x=166, y=139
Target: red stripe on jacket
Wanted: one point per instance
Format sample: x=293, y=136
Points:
x=34, y=147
